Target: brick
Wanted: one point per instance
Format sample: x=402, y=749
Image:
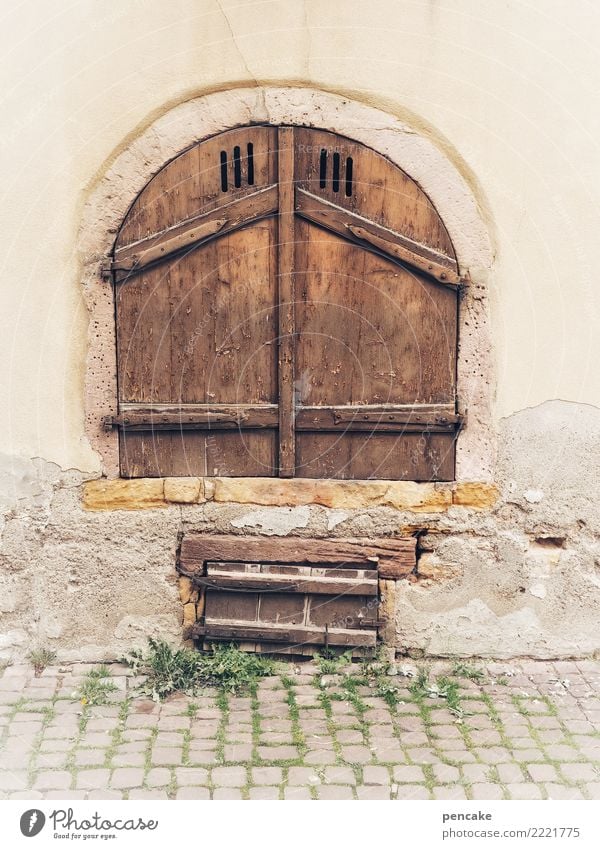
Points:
x=54, y=780
x=445, y=773
x=123, y=494
x=50, y=760
x=320, y=757
x=229, y=776
x=479, y=773
x=187, y=776
x=486, y=791
x=299, y=775
x=128, y=759
x=127, y=777
x=92, y=779
x=356, y=754
x=510, y=772
x=166, y=756
x=542, y=772
x=343, y=494
x=524, y=791
x=411, y=792
x=159, y=777
x=478, y=496
x=265, y=793
x=239, y=752
x=147, y=794
x=90, y=757
x=201, y=793
x=267, y=775
x=405, y=774
x=559, y=791
x=277, y=753
x=339, y=775
x=104, y=794
x=453, y=792
x=347, y=736
x=376, y=775
x=580, y=772
x=184, y=490
x=298, y=793
x=373, y=793
x=228, y=794
x=13, y=780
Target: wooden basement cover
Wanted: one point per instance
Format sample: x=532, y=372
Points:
x=286, y=305
x=291, y=593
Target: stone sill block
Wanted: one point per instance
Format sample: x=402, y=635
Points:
x=144, y=493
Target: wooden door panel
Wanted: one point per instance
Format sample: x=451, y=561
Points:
x=377, y=190
x=244, y=344
x=203, y=329
x=192, y=183
x=228, y=453
x=384, y=456
x=369, y=331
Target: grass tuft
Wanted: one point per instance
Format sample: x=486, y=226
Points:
x=40, y=659
x=95, y=687
x=169, y=670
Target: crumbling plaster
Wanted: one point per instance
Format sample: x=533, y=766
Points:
x=521, y=577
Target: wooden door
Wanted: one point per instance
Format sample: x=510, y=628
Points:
x=286, y=304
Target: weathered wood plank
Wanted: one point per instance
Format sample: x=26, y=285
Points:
x=286, y=302
x=392, y=557
x=280, y=583
x=194, y=417
x=192, y=233
x=440, y=267
x=287, y=634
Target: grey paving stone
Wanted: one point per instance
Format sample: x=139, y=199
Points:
x=266, y=793
x=92, y=779
x=541, y=772
x=297, y=793
x=339, y=775
x=187, y=776
x=52, y=780
x=267, y=775
x=524, y=791
x=277, y=753
x=334, y=791
x=449, y=792
x=125, y=777
x=302, y=775
x=376, y=775
x=158, y=777
x=229, y=776
x=356, y=754
x=408, y=774
x=486, y=791
x=227, y=794
x=147, y=794
x=408, y=792
x=372, y=793
x=202, y=793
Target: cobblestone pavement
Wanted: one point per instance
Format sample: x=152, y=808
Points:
x=527, y=730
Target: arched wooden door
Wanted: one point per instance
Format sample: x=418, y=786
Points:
x=286, y=305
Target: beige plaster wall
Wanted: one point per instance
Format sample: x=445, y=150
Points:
x=505, y=90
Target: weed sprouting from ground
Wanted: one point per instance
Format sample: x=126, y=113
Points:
x=96, y=687
x=169, y=670
x=40, y=659
x=330, y=663
x=467, y=670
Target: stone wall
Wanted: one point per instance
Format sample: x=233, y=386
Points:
x=88, y=567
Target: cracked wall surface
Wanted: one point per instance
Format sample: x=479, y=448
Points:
x=520, y=577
